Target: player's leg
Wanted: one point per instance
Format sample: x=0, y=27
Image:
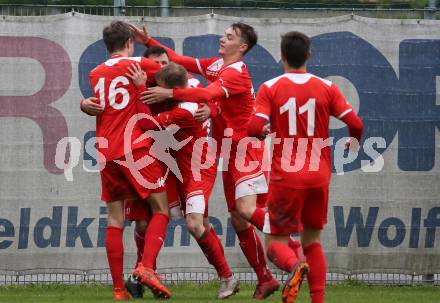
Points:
x=114, y=247
x=156, y=198
x=250, y=243
x=197, y=222
x=247, y=208
x=139, y=237
x=284, y=257
x=134, y=287
x=139, y=212
x=284, y=218
x=316, y=259
x=115, y=189
x=252, y=208
x=154, y=238
x=314, y=219
x=253, y=250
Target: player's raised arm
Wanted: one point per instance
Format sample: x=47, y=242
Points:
x=191, y=64
x=228, y=84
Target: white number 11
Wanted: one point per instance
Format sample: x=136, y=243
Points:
x=290, y=108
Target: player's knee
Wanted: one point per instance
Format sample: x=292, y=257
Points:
x=115, y=214
x=141, y=226
x=238, y=222
x=159, y=203
x=195, y=226
x=310, y=235
x=245, y=207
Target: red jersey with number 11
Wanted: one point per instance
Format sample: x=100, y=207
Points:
x=299, y=106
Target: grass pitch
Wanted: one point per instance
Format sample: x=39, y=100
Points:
x=190, y=293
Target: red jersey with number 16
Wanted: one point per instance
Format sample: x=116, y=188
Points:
x=299, y=106
x=117, y=93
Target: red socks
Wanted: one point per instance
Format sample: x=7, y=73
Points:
x=154, y=238
x=318, y=268
x=257, y=218
x=296, y=247
x=115, y=255
x=219, y=242
x=209, y=243
x=140, y=243
x=282, y=256
x=253, y=250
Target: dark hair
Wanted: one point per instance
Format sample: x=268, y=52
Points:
x=247, y=34
x=295, y=48
x=172, y=76
x=155, y=50
x=116, y=35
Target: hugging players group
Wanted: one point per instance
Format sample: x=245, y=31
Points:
x=295, y=107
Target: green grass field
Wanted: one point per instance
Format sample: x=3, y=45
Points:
x=353, y=293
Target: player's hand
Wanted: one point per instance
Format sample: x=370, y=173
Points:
x=266, y=130
x=91, y=106
x=203, y=113
x=156, y=94
x=140, y=34
x=136, y=74
x=352, y=145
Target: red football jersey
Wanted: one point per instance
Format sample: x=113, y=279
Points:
x=238, y=103
x=298, y=106
x=182, y=115
x=238, y=99
x=117, y=93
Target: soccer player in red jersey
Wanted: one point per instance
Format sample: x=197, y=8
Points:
x=231, y=86
x=298, y=106
x=120, y=178
x=197, y=180
x=137, y=210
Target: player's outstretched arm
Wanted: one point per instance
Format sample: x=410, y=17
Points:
x=91, y=106
x=200, y=95
x=141, y=36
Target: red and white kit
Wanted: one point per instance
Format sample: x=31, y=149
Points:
x=196, y=187
x=118, y=95
x=232, y=86
x=136, y=210
x=298, y=107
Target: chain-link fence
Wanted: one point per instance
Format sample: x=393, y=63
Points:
x=200, y=275
x=252, y=12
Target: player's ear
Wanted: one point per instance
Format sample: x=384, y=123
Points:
x=243, y=47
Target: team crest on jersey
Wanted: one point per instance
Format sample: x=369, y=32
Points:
x=214, y=68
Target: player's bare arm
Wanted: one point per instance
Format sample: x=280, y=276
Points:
x=91, y=106
x=142, y=36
